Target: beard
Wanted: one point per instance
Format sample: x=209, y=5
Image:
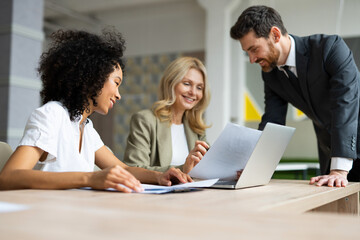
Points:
x=271, y=59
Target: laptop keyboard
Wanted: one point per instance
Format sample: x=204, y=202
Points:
x=232, y=182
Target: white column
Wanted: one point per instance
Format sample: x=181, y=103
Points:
x=21, y=38
x=238, y=83
x=218, y=62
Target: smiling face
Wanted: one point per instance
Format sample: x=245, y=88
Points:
x=261, y=51
x=189, y=91
x=109, y=93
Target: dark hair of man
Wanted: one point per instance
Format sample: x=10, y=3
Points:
x=76, y=66
x=259, y=19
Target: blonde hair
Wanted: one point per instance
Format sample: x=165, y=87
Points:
x=173, y=75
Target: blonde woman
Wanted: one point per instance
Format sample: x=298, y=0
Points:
x=172, y=133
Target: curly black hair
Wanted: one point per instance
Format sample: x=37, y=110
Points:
x=76, y=66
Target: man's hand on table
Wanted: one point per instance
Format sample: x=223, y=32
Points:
x=337, y=178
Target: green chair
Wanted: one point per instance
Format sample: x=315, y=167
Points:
x=5, y=153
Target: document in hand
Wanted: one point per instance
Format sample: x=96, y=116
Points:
x=229, y=153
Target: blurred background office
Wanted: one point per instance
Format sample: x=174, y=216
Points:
x=157, y=32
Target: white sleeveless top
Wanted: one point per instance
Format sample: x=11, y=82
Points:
x=179, y=145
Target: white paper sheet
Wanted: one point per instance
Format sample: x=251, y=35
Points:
x=149, y=188
x=11, y=207
x=158, y=189
x=229, y=153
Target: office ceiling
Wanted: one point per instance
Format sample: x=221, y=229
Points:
x=56, y=8
x=87, y=10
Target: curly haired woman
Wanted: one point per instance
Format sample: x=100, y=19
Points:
x=173, y=132
x=81, y=74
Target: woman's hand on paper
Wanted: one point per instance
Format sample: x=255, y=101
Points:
x=115, y=177
x=173, y=176
x=195, y=155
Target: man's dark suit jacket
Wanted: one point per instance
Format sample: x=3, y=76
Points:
x=327, y=91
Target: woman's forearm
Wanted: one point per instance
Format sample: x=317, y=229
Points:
x=144, y=175
x=21, y=179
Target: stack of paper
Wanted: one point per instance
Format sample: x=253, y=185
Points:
x=229, y=153
x=148, y=188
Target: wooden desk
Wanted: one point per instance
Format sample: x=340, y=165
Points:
x=267, y=212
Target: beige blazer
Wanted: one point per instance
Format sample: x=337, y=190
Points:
x=149, y=142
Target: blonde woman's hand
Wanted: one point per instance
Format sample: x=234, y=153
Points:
x=195, y=155
x=112, y=177
x=173, y=176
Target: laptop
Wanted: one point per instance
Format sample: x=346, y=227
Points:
x=263, y=160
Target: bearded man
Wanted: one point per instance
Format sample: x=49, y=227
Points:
x=316, y=74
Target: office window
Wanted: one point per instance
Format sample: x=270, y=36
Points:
x=354, y=45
